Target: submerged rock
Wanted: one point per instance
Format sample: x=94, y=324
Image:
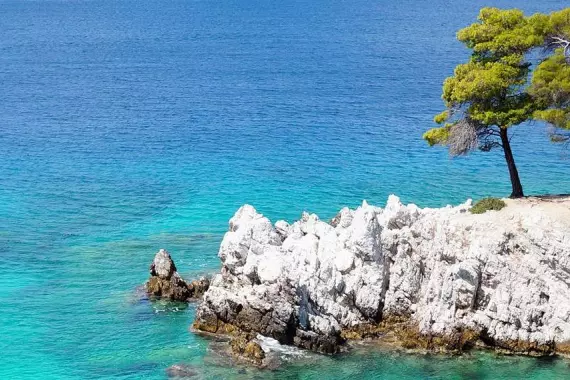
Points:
x=433, y=278
x=245, y=347
x=165, y=281
x=181, y=371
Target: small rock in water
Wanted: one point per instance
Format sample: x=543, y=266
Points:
x=165, y=281
x=162, y=266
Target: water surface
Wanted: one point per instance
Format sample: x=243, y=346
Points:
x=127, y=126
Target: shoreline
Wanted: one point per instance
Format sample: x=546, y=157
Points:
x=318, y=285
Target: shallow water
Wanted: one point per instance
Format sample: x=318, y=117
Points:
x=126, y=126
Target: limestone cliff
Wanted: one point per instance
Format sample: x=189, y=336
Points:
x=435, y=277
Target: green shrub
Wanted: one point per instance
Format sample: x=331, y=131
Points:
x=487, y=204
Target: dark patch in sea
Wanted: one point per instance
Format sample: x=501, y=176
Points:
x=181, y=371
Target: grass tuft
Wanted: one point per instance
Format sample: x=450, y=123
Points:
x=487, y=204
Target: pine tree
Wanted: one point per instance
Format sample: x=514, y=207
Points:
x=492, y=92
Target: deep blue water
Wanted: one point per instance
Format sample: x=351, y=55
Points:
x=127, y=126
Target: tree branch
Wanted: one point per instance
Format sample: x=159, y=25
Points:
x=561, y=42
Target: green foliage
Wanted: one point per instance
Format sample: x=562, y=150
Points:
x=437, y=136
x=490, y=87
x=478, y=81
x=558, y=24
x=493, y=89
x=551, y=88
x=557, y=117
x=487, y=204
x=501, y=33
x=442, y=117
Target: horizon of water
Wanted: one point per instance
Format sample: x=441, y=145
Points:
x=129, y=126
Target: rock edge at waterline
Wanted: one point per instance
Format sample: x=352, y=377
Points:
x=165, y=282
x=431, y=278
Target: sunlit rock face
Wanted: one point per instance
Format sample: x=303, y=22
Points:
x=165, y=282
x=503, y=275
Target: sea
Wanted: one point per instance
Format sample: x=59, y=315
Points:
x=128, y=126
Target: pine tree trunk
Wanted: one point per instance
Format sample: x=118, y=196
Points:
x=513, y=172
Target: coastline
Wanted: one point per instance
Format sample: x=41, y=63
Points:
x=425, y=279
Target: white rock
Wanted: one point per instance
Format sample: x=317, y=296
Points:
x=505, y=272
x=343, y=260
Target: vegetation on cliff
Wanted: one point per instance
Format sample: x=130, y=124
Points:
x=487, y=204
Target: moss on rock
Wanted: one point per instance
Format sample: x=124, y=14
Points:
x=520, y=347
x=244, y=347
x=460, y=340
x=405, y=333
x=215, y=326
x=563, y=348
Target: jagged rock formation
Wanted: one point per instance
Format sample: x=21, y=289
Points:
x=245, y=347
x=435, y=277
x=165, y=282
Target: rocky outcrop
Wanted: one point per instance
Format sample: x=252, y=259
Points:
x=166, y=283
x=433, y=278
x=197, y=288
x=245, y=347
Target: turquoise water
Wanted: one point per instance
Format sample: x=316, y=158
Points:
x=127, y=126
